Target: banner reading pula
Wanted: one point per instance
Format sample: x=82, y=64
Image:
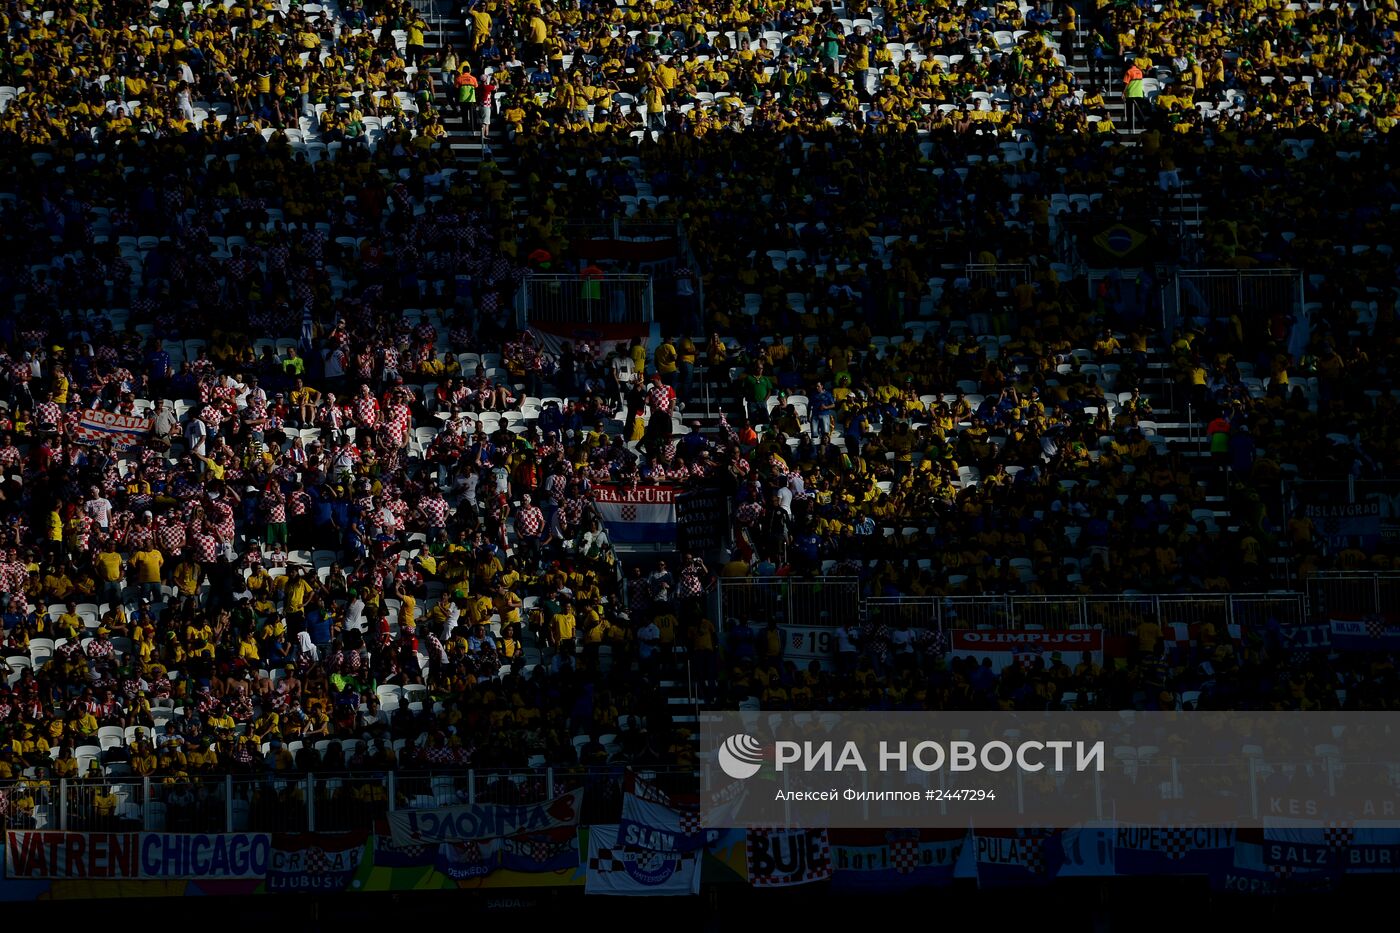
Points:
x=471, y=822
x=38, y=854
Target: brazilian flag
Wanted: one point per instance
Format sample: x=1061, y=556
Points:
x=1118, y=244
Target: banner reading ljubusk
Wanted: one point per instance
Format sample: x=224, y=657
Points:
x=482, y=821
x=1011, y=646
x=312, y=863
x=96, y=426
x=637, y=514
x=39, y=854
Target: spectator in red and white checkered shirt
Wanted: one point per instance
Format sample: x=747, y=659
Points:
x=366, y=408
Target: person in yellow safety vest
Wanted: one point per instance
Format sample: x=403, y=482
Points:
x=466, y=93
x=1135, y=96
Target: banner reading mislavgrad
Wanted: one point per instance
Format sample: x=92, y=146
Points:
x=471, y=822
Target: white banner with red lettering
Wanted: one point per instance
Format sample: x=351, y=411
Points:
x=1022, y=646
x=637, y=514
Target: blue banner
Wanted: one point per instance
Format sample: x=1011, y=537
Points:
x=231, y=855
x=890, y=860
x=1172, y=850
x=1015, y=857
x=1371, y=634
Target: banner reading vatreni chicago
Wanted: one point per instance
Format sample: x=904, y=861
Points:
x=36, y=854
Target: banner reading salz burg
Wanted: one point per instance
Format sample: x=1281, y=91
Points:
x=903, y=770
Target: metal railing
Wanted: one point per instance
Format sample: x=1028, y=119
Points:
x=1351, y=593
x=1000, y=277
x=803, y=602
x=830, y=600
x=304, y=802
x=573, y=299
x=1250, y=293
x=620, y=229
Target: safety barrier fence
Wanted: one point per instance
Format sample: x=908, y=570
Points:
x=833, y=601
x=283, y=802
x=592, y=299
x=1354, y=593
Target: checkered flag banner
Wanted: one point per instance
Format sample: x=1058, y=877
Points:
x=316, y=861
x=1375, y=628
x=1338, y=835
x=1031, y=850
x=1176, y=842
x=904, y=854
x=606, y=860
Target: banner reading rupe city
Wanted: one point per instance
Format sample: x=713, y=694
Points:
x=902, y=770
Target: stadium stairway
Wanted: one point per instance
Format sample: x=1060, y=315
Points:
x=1109, y=81
x=470, y=147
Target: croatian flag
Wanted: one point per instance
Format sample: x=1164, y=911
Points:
x=637, y=514
x=96, y=426
x=651, y=820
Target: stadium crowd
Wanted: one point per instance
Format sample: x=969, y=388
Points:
x=360, y=533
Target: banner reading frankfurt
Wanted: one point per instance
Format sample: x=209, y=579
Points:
x=95, y=426
x=637, y=514
x=482, y=821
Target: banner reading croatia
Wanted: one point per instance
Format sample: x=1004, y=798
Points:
x=637, y=514
x=95, y=426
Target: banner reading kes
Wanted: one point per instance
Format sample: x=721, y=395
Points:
x=482, y=821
